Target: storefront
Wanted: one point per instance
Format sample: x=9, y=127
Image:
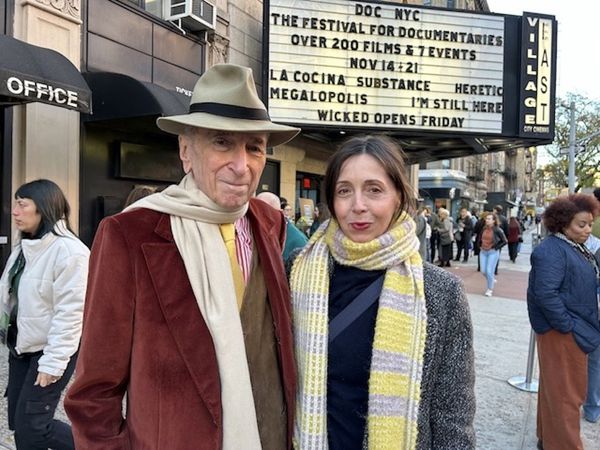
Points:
x=351, y=72
x=139, y=68
x=445, y=188
x=31, y=74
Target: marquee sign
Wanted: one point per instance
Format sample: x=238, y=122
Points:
x=537, y=110
x=386, y=66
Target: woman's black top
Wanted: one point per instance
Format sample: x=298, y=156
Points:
x=14, y=277
x=349, y=360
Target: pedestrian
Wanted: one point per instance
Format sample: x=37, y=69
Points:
x=138, y=192
x=294, y=238
x=288, y=211
x=491, y=240
x=321, y=215
x=42, y=291
x=465, y=227
x=563, y=311
x=503, y=224
x=446, y=237
x=187, y=312
x=421, y=232
x=596, y=227
x=378, y=378
x=514, y=238
x=501, y=219
x=477, y=229
x=428, y=233
x=591, y=407
x=434, y=241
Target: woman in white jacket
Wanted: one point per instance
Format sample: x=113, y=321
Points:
x=42, y=291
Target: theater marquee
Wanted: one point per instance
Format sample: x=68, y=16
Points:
x=388, y=66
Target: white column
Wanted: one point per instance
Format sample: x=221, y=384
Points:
x=46, y=141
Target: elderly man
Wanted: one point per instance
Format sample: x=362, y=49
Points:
x=187, y=309
x=294, y=238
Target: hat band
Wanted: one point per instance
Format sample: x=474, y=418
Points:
x=234, y=112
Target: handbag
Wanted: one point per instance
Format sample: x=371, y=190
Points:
x=355, y=308
x=457, y=235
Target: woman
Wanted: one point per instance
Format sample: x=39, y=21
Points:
x=42, y=292
x=446, y=237
x=477, y=229
x=563, y=311
x=491, y=240
x=321, y=215
x=514, y=237
x=399, y=373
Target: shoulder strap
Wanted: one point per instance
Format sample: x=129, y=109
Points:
x=355, y=308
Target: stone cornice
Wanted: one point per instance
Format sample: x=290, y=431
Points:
x=67, y=9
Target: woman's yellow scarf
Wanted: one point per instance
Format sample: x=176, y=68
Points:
x=399, y=342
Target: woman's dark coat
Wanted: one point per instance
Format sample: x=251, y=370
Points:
x=562, y=293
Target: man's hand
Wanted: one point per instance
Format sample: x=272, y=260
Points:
x=45, y=379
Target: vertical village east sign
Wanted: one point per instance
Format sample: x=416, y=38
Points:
x=367, y=65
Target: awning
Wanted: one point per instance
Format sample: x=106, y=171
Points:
x=118, y=96
x=425, y=147
x=35, y=74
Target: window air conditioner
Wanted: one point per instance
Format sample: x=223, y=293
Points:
x=193, y=15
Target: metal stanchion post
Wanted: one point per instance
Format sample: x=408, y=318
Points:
x=527, y=383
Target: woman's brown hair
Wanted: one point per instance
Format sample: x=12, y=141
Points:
x=387, y=152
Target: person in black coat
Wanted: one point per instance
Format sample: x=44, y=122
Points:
x=477, y=228
x=465, y=227
x=434, y=240
x=502, y=220
x=503, y=224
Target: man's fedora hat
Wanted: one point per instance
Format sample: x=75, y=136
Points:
x=225, y=98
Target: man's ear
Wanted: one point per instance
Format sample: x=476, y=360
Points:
x=184, y=153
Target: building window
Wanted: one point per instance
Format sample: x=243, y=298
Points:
x=451, y=4
x=308, y=185
x=154, y=7
x=445, y=164
x=426, y=2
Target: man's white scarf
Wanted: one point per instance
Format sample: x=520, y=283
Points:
x=195, y=223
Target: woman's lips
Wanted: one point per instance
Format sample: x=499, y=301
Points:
x=359, y=226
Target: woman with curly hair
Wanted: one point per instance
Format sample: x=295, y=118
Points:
x=563, y=311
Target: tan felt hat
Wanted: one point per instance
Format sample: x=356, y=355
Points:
x=225, y=98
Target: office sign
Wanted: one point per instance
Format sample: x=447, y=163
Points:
x=388, y=66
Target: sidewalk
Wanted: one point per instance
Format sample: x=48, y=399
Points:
x=506, y=416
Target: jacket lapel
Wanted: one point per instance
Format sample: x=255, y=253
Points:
x=183, y=317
